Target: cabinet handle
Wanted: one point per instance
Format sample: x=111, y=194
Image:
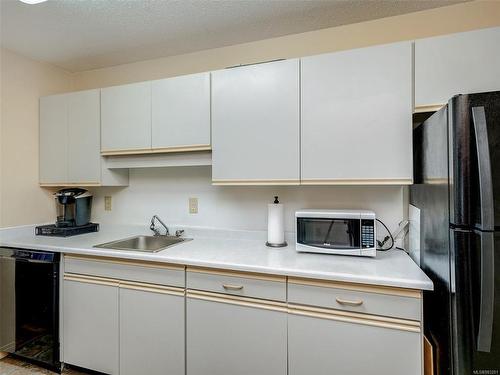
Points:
x=348, y=303
x=232, y=287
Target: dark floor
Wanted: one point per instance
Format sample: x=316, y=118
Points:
x=11, y=366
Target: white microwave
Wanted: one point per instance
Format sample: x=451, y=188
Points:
x=346, y=232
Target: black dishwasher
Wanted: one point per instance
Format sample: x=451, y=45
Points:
x=29, y=305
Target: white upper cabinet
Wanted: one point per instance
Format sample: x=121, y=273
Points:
x=456, y=64
x=356, y=116
x=126, y=117
x=70, y=141
x=84, y=159
x=255, y=124
x=181, y=113
x=53, y=139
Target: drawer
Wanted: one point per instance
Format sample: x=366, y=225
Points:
x=384, y=301
x=145, y=272
x=240, y=284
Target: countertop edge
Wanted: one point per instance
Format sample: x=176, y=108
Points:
x=389, y=282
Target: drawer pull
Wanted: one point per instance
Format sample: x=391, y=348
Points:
x=348, y=303
x=232, y=287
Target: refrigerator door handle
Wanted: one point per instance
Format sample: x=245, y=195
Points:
x=484, y=166
x=487, y=298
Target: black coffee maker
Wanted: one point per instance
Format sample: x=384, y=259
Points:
x=74, y=207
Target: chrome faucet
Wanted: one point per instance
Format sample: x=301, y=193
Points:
x=156, y=230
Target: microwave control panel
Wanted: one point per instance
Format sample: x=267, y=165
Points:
x=367, y=234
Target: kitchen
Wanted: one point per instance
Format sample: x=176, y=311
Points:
x=239, y=139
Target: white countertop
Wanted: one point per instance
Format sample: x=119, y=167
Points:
x=235, y=250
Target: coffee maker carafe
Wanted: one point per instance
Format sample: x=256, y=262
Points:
x=74, y=207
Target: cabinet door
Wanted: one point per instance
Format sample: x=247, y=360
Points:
x=84, y=138
x=255, y=124
x=324, y=347
x=90, y=324
x=53, y=139
x=456, y=64
x=181, y=112
x=356, y=116
x=126, y=117
x=151, y=333
x=224, y=338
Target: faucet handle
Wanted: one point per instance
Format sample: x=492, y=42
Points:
x=179, y=232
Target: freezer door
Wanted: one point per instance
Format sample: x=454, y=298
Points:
x=475, y=299
x=474, y=154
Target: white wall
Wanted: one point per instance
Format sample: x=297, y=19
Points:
x=166, y=192
x=22, y=201
x=431, y=22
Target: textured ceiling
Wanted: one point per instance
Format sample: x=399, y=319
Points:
x=87, y=34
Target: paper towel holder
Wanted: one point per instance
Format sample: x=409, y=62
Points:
x=284, y=244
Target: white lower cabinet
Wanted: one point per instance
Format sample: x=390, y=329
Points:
x=151, y=332
x=90, y=324
x=118, y=317
x=119, y=326
x=236, y=338
x=323, y=346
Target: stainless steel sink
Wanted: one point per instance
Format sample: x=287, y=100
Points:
x=148, y=244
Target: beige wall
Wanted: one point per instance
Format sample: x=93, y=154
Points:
x=23, y=81
x=445, y=20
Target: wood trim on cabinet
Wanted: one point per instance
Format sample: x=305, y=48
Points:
x=400, y=292
x=243, y=274
x=131, y=262
x=153, y=288
x=356, y=318
x=428, y=357
x=360, y=181
x=91, y=279
x=187, y=148
x=146, y=287
x=241, y=182
x=69, y=184
x=436, y=181
x=428, y=108
x=126, y=151
x=236, y=300
x=158, y=150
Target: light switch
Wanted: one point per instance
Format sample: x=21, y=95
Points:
x=193, y=205
x=107, y=203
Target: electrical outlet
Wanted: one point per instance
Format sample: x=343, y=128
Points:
x=107, y=203
x=193, y=205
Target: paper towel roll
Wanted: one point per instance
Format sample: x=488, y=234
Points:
x=275, y=224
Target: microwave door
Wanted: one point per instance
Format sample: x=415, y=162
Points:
x=338, y=234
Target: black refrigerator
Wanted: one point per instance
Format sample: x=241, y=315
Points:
x=457, y=189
